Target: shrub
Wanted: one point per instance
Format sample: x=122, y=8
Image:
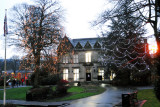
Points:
x=39, y=93
x=141, y=78
x=2, y=82
x=122, y=78
x=45, y=78
x=40, y=74
x=157, y=89
x=62, y=87
x=50, y=80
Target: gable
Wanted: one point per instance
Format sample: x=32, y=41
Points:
x=65, y=46
x=78, y=46
x=97, y=45
x=87, y=45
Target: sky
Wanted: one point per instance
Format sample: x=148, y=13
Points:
x=78, y=15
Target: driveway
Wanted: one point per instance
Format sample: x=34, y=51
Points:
x=109, y=98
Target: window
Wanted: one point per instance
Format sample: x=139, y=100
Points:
x=112, y=76
x=65, y=74
x=76, y=74
x=88, y=57
x=75, y=58
x=65, y=59
x=101, y=73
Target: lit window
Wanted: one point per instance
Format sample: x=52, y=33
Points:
x=65, y=74
x=76, y=74
x=112, y=76
x=65, y=59
x=75, y=58
x=88, y=57
x=101, y=73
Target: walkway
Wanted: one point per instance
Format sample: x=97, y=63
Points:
x=109, y=98
x=33, y=103
x=16, y=87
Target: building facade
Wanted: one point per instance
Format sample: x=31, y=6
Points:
x=79, y=59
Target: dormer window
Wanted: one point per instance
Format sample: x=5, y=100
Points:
x=88, y=57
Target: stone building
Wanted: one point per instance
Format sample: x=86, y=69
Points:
x=78, y=59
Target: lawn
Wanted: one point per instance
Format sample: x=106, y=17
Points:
x=81, y=92
x=15, y=93
x=148, y=94
x=73, y=93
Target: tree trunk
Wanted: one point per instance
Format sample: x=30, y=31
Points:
x=37, y=69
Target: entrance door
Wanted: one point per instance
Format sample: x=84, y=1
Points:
x=88, y=76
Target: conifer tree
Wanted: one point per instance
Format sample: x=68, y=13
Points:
x=123, y=45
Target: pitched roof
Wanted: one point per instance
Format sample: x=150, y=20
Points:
x=83, y=41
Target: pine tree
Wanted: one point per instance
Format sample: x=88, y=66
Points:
x=124, y=45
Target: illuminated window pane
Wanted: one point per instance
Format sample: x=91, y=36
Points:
x=76, y=74
x=101, y=73
x=75, y=58
x=65, y=74
x=65, y=59
x=88, y=57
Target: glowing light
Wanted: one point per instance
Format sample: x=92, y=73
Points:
x=153, y=48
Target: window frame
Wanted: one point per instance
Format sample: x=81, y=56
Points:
x=101, y=72
x=76, y=74
x=65, y=59
x=65, y=73
x=88, y=57
x=75, y=58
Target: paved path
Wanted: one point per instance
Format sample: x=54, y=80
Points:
x=16, y=87
x=109, y=98
x=22, y=102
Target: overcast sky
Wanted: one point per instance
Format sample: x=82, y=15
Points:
x=78, y=15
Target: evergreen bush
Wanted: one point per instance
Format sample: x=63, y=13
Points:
x=62, y=87
x=46, y=79
x=157, y=89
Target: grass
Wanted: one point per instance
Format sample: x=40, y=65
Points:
x=74, y=93
x=76, y=89
x=15, y=93
x=149, y=95
x=80, y=92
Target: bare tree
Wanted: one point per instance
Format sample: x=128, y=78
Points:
x=15, y=63
x=37, y=27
